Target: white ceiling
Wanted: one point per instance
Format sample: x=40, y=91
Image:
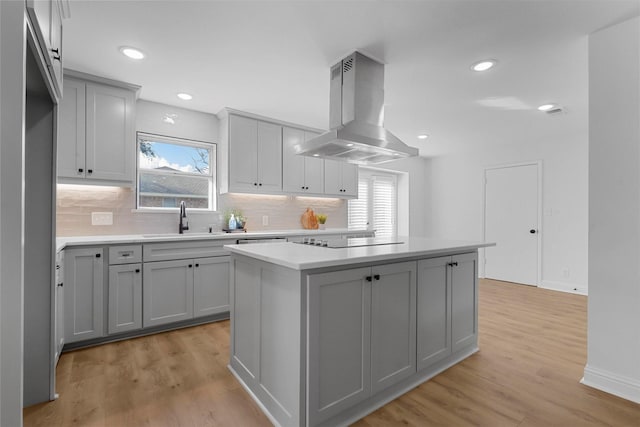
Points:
x=273, y=57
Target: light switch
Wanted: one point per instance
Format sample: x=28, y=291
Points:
x=101, y=218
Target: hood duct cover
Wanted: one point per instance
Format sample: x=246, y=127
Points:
x=356, y=117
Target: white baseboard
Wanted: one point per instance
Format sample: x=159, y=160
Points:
x=564, y=287
x=627, y=388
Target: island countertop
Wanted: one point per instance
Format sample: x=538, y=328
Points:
x=305, y=257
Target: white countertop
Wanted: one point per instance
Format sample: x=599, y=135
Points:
x=62, y=242
x=304, y=257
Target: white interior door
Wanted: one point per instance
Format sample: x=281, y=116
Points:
x=511, y=221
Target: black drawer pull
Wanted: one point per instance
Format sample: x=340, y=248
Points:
x=377, y=277
x=80, y=170
x=369, y=278
x=190, y=265
x=89, y=170
x=137, y=270
x=98, y=255
x=197, y=265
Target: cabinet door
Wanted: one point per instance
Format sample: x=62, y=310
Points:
x=393, y=324
x=350, y=179
x=313, y=170
x=339, y=351
x=55, y=49
x=71, y=131
x=269, y=157
x=125, y=297
x=41, y=10
x=293, y=165
x=110, y=134
x=59, y=304
x=464, y=300
x=434, y=311
x=333, y=177
x=210, y=286
x=167, y=292
x=243, y=154
x=83, y=271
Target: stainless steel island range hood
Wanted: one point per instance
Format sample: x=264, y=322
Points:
x=356, y=117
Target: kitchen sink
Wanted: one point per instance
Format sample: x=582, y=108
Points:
x=203, y=234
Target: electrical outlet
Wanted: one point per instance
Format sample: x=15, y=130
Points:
x=265, y=220
x=101, y=218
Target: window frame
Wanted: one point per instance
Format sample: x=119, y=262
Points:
x=212, y=147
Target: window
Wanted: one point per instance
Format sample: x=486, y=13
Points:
x=171, y=170
x=376, y=205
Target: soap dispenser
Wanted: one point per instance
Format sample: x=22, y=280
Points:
x=232, y=222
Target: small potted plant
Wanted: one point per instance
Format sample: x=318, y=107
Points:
x=322, y=218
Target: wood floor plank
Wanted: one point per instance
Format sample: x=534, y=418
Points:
x=532, y=355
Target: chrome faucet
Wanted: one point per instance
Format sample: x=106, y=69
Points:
x=184, y=223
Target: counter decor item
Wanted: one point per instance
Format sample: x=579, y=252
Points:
x=234, y=221
x=309, y=220
x=322, y=218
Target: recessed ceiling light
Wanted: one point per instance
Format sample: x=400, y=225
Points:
x=349, y=145
x=423, y=136
x=547, y=107
x=185, y=96
x=484, y=65
x=316, y=155
x=132, y=52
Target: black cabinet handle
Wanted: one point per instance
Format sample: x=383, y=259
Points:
x=57, y=267
x=137, y=270
x=80, y=170
x=61, y=284
x=533, y=231
x=369, y=278
x=377, y=277
x=89, y=170
x=302, y=187
x=56, y=53
x=260, y=185
x=197, y=265
x=98, y=255
x=190, y=265
x=255, y=183
x=306, y=188
x=453, y=264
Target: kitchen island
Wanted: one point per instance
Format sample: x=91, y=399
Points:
x=323, y=336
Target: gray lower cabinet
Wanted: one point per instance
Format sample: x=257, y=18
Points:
x=167, y=292
x=464, y=300
x=447, y=306
x=210, y=286
x=184, y=289
x=125, y=297
x=362, y=328
x=83, y=294
x=59, y=304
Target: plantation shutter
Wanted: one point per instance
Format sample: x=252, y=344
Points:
x=376, y=206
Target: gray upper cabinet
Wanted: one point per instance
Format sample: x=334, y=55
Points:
x=96, y=134
x=46, y=16
x=340, y=179
x=255, y=156
x=83, y=293
x=300, y=174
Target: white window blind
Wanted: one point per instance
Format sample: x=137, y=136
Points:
x=376, y=205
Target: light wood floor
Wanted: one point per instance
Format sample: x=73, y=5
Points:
x=532, y=353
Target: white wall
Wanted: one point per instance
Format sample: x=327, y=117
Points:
x=12, y=95
x=189, y=124
x=613, y=359
x=457, y=197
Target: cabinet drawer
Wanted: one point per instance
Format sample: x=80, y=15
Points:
x=184, y=250
x=125, y=254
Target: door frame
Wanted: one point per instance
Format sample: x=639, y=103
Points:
x=538, y=164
